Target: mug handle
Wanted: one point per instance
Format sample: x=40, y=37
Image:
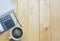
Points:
x=10, y=38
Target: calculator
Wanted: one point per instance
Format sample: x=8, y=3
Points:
x=6, y=23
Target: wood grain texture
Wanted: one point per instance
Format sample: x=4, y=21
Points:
x=23, y=17
x=44, y=20
x=28, y=14
x=33, y=30
x=55, y=19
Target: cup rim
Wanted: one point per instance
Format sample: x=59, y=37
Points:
x=12, y=35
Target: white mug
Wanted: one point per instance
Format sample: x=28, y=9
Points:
x=11, y=33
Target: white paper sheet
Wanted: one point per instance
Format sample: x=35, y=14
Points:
x=5, y=6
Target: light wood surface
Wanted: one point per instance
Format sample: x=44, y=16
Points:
x=44, y=20
x=55, y=20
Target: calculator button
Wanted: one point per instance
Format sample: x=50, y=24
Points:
x=7, y=22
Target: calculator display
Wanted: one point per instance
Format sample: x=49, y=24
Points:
x=6, y=23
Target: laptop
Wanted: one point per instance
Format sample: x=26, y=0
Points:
x=6, y=20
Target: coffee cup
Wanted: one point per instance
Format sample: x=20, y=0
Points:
x=16, y=33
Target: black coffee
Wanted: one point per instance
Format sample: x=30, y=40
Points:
x=17, y=32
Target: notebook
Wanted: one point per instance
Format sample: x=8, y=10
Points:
x=5, y=7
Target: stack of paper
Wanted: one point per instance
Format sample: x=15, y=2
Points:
x=5, y=7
